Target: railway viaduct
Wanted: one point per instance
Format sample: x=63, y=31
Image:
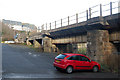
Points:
x=95, y=36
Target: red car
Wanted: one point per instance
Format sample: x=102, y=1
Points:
x=70, y=62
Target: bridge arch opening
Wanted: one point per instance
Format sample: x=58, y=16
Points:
x=62, y=48
x=32, y=42
x=80, y=48
x=116, y=48
x=40, y=41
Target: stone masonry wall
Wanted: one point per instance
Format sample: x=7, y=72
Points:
x=47, y=44
x=28, y=43
x=98, y=45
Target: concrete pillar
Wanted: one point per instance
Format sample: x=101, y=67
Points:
x=69, y=48
x=62, y=48
x=98, y=45
x=75, y=48
x=72, y=48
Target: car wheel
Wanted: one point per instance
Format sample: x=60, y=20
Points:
x=95, y=69
x=69, y=69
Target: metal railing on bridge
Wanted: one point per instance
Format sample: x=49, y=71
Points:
x=95, y=11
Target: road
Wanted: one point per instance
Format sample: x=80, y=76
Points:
x=21, y=62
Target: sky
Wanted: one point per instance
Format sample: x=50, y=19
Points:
x=39, y=12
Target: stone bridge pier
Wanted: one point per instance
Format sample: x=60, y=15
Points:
x=99, y=45
x=48, y=46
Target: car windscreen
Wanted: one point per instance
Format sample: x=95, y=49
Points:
x=61, y=56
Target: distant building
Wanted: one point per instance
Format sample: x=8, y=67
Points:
x=29, y=27
x=16, y=25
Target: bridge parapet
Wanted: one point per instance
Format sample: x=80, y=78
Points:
x=100, y=10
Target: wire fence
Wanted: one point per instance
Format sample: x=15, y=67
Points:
x=95, y=11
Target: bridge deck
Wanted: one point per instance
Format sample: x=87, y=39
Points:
x=97, y=23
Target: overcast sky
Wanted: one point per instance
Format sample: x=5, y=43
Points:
x=39, y=12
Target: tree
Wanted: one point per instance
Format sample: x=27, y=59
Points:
x=6, y=32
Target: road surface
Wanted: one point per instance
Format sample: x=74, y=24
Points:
x=23, y=63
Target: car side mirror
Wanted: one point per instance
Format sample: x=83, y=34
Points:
x=89, y=60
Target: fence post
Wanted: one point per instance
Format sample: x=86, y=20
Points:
x=101, y=10
x=90, y=13
x=46, y=26
x=50, y=26
x=77, y=18
x=61, y=22
x=87, y=14
x=110, y=8
x=68, y=20
x=55, y=24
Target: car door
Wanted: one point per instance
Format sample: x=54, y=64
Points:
x=74, y=61
x=84, y=62
x=78, y=63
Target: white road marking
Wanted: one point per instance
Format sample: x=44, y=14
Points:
x=29, y=53
x=17, y=75
x=35, y=55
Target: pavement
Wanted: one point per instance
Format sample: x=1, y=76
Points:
x=20, y=62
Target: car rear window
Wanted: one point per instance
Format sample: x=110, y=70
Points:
x=61, y=56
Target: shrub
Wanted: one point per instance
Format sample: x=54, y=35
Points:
x=82, y=51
